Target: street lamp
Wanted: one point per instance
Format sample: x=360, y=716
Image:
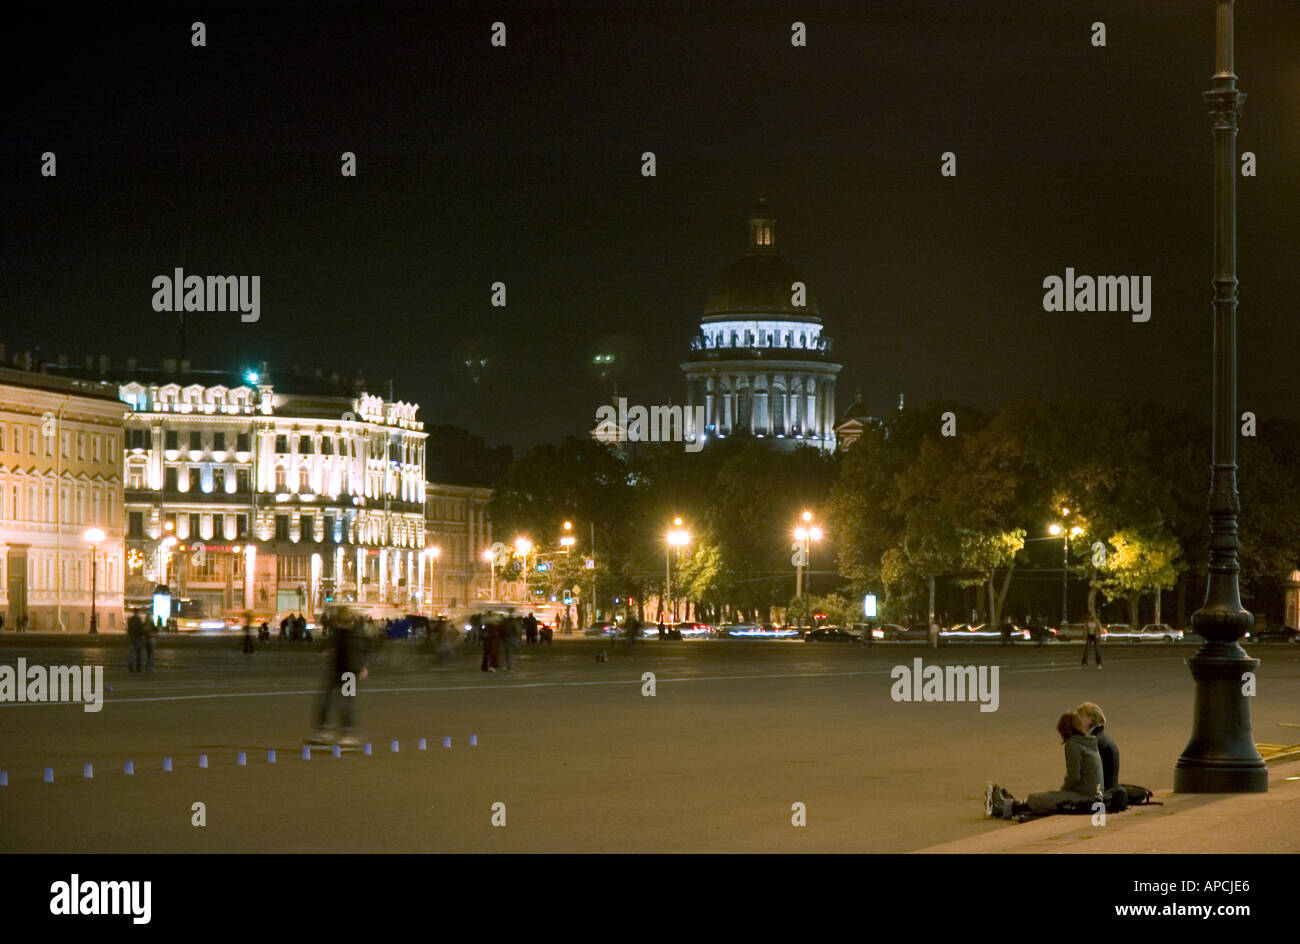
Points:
x=805, y=533
x=1220, y=756
x=94, y=537
x=523, y=546
x=1060, y=530
x=492, y=563
x=677, y=538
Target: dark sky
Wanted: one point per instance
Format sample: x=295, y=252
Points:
x=522, y=165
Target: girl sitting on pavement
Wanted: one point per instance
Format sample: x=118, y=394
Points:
x=1083, y=778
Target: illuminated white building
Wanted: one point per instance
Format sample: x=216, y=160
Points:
x=760, y=363
x=245, y=496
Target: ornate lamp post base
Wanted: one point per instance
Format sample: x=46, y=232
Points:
x=1220, y=756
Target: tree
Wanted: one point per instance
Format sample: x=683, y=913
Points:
x=1139, y=563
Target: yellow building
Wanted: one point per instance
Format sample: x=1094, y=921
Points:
x=60, y=477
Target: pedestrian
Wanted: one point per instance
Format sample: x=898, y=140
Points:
x=490, y=634
x=346, y=668
x=1092, y=638
x=633, y=628
x=248, y=633
x=661, y=623
x=530, y=629
x=1006, y=631
x=1081, y=788
x=513, y=629
x=284, y=628
x=135, y=640
x=150, y=643
x=934, y=633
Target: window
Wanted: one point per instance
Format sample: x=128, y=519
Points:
x=281, y=444
x=218, y=527
x=242, y=479
x=304, y=445
x=195, y=476
x=194, y=527
x=304, y=479
x=170, y=480
x=196, y=441
x=307, y=527
x=219, y=442
x=241, y=526
x=81, y=446
x=95, y=443
x=329, y=527
x=218, y=480
x=242, y=442
x=326, y=446
x=2, y=437
x=281, y=479
x=135, y=524
x=171, y=439
x=64, y=438
x=282, y=527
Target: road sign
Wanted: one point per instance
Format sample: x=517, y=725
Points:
x=589, y=563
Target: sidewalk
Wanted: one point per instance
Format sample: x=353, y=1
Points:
x=1187, y=823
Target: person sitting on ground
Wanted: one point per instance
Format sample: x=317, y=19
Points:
x=1095, y=722
x=1083, y=777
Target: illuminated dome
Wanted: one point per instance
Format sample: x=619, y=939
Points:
x=759, y=283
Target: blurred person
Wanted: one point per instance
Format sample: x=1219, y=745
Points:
x=530, y=629
x=491, y=636
x=150, y=643
x=1092, y=638
x=511, y=631
x=346, y=655
x=1082, y=785
x=135, y=640
x=248, y=632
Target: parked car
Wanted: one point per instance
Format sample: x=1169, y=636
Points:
x=865, y=631
x=1041, y=633
x=1274, y=634
x=603, y=628
x=830, y=634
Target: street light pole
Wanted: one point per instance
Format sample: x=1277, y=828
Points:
x=1220, y=756
x=1065, y=578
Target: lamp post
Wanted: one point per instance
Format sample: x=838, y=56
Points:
x=1220, y=756
x=677, y=538
x=94, y=537
x=1066, y=533
x=806, y=533
x=492, y=565
x=523, y=546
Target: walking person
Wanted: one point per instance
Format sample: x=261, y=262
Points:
x=1082, y=785
x=1092, y=638
x=135, y=640
x=347, y=666
x=512, y=631
x=491, y=635
x=150, y=644
x=248, y=633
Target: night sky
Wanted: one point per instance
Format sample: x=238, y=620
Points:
x=523, y=165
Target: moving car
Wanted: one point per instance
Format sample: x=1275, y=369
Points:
x=757, y=631
x=830, y=634
x=983, y=632
x=603, y=628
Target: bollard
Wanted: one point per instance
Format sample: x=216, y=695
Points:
x=130, y=768
x=473, y=740
x=421, y=746
x=393, y=747
x=88, y=772
x=366, y=749
x=49, y=774
x=446, y=741
x=203, y=761
x=270, y=757
x=306, y=752
x=167, y=765
x=338, y=751
x=241, y=759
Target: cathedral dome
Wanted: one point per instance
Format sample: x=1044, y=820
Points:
x=759, y=282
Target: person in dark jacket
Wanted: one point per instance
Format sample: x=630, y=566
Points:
x=1092, y=639
x=1106, y=747
x=346, y=668
x=135, y=632
x=1083, y=777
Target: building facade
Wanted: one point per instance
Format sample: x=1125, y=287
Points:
x=458, y=532
x=243, y=497
x=60, y=477
x=760, y=362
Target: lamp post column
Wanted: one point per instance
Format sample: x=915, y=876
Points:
x=1220, y=756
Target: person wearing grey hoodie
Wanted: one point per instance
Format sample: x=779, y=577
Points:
x=1083, y=777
